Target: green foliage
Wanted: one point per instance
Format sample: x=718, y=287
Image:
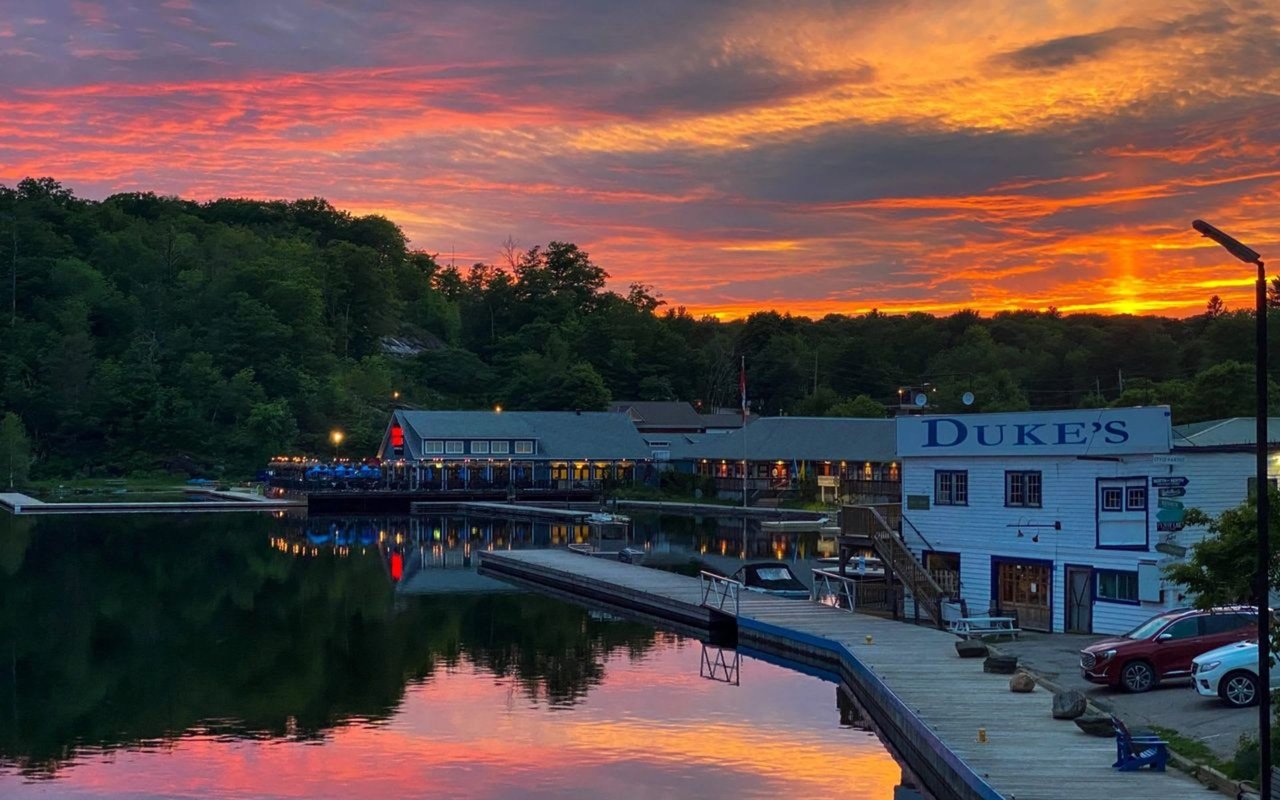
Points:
x=1219, y=569
x=155, y=333
x=860, y=406
x=15, y=452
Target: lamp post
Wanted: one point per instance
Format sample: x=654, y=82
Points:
x=1261, y=587
x=336, y=437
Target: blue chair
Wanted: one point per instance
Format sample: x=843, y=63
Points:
x=1136, y=751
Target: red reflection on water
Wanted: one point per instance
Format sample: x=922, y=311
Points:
x=652, y=728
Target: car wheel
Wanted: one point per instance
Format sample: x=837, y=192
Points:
x=1239, y=689
x=1137, y=676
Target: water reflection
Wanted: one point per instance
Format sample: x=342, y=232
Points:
x=196, y=656
x=415, y=549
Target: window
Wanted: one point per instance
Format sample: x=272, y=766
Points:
x=1183, y=628
x=1121, y=587
x=951, y=488
x=524, y=447
x=453, y=447
x=1112, y=498
x=432, y=446
x=1022, y=489
x=1227, y=623
x=1135, y=498
x=658, y=444
x=481, y=448
x=500, y=448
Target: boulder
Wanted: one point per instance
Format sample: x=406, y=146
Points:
x=1000, y=665
x=1069, y=704
x=971, y=648
x=1022, y=683
x=1095, y=725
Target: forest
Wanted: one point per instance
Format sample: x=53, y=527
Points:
x=152, y=334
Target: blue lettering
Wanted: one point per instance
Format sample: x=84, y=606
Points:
x=1026, y=434
x=982, y=435
x=1075, y=430
x=959, y=430
x=1116, y=428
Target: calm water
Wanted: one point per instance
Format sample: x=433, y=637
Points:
x=249, y=656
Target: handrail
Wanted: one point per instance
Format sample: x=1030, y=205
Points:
x=833, y=587
x=718, y=592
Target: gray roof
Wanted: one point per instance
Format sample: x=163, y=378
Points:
x=660, y=413
x=1230, y=432
x=678, y=444
x=560, y=434
x=804, y=439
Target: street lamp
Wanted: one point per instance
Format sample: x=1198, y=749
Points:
x=336, y=437
x=1261, y=586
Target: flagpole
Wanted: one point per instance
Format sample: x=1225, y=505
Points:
x=743, y=384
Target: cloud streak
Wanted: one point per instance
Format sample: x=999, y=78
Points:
x=815, y=157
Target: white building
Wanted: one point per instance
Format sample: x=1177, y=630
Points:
x=1064, y=518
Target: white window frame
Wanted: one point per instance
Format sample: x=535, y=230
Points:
x=1129, y=492
x=500, y=448
x=454, y=447
x=1104, y=491
x=433, y=447
x=524, y=447
x=480, y=448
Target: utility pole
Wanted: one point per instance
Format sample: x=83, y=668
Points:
x=1120, y=378
x=815, y=372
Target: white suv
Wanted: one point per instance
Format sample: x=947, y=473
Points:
x=1231, y=673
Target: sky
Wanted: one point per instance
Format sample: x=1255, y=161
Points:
x=810, y=157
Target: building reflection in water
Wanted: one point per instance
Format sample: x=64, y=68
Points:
x=410, y=545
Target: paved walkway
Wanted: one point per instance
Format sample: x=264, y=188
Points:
x=1027, y=755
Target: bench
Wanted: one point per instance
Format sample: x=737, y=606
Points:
x=978, y=627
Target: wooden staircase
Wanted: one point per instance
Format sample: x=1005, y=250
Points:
x=880, y=524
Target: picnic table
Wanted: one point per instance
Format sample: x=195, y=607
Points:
x=977, y=627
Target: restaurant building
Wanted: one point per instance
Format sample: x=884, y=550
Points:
x=1064, y=519
x=425, y=450
x=850, y=458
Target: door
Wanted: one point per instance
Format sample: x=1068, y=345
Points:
x=1079, y=600
x=1023, y=589
x=1176, y=645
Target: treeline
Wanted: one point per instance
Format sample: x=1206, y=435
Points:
x=154, y=333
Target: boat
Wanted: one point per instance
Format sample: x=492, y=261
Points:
x=605, y=518
x=859, y=566
x=795, y=525
x=770, y=577
x=631, y=555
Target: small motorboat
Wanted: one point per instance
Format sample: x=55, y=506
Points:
x=604, y=518
x=770, y=577
x=631, y=555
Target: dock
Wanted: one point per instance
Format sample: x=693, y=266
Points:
x=20, y=504
x=720, y=510
x=503, y=509
x=928, y=704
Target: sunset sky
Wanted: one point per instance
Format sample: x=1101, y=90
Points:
x=805, y=156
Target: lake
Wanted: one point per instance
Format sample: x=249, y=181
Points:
x=251, y=655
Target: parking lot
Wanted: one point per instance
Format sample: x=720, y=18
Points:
x=1170, y=705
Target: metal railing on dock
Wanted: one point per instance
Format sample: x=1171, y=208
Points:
x=719, y=592
x=834, y=590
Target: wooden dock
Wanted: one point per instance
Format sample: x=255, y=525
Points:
x=928, y=704
x=503, y=509
x=21, y=504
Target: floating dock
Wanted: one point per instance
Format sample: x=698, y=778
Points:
x=928, y=704
x=21, y=504
x=503, y=510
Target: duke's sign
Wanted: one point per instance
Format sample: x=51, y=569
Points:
x=1084, y=432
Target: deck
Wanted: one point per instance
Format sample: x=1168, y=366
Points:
x=18, y=503
x=930, y=702
x=502, y=509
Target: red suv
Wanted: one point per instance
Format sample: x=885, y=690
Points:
x=1163, y=646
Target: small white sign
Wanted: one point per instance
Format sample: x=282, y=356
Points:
x=1168, y=459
